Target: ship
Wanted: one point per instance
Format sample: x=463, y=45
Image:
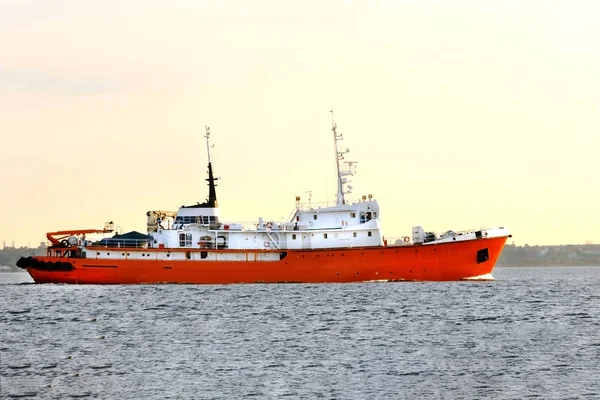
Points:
x=340, y=242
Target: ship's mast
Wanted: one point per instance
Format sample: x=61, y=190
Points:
x=343, y=168
x=207, y=136
x=212, y=192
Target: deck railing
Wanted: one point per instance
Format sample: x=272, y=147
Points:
x=116, y=242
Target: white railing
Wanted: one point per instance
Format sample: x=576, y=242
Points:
x=315, y=205
x=116, y=242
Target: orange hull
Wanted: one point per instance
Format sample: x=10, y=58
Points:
x=439, y=262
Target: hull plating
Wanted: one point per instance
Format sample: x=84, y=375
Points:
x=440, y=262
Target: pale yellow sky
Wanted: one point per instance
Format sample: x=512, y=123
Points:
x=461, y=113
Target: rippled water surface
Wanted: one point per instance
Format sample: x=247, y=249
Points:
x=531, y=333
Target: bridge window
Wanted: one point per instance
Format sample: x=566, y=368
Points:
x=294, y=236
x=201, y=219
x=353, y=215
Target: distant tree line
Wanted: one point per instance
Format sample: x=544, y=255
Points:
x=563, y=255
x=10, y=255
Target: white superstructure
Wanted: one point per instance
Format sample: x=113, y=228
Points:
x=342, y=225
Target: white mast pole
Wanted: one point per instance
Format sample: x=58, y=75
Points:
x=207, y=144
x=338, y=157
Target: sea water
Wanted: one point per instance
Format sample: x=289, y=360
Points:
x=531, y=333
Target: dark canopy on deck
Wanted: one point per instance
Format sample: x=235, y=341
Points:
x=129, y=239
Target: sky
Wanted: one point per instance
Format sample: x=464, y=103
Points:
x=461, y=114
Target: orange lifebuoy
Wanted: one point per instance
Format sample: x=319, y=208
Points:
x=406, y=239
x=269, y=225
x=267, y=244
